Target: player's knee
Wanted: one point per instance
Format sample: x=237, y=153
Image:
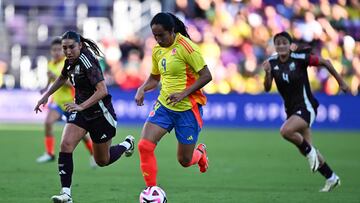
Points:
x=145, y=146
x=285, y=132
x=184, y=161
x=66, y=146
x=102, y=162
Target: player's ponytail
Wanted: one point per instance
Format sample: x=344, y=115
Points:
x=179, y=26
x=86, y=43
x=170, y=22
x=89, y=44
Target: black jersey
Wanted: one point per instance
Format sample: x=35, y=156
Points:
x=292, y=80
x=84, y=74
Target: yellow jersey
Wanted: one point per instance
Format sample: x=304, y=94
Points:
x=178, y=66
x=64, y=94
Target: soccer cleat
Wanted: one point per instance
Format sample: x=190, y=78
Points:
x=204, y=161
x=331, y=183
x=131, y=140
x=93, y=163
x=62, y=198
x=45, y=158
x=313, y=160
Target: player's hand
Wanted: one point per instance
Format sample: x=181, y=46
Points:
x=42, y=103
x=139, y=97
x=71, y=107
x=266, y=66
x=175, y=98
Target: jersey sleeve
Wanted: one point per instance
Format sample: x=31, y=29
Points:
x=92, y=67
x=195, y=60
x=155, y=67
x=94, y=74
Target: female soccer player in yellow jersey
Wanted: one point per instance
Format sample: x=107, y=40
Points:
x=57, y=107
x=179, y=66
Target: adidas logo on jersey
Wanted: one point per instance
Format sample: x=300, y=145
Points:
x=276, y=67
x=190, y=137
x=62, y=172
x=298, y=112
x=103, y=137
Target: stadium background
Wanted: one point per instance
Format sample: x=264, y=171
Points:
x=235, y=37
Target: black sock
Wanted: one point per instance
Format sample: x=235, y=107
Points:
x=66, y=167
x=304, y=147
x=325, y=170
x=115, y=153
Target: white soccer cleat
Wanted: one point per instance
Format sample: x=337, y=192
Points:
x=93, y=163
x=331, y=183
x=62, y=198
x=313, y=160
x=45, y=158
x=131, y=140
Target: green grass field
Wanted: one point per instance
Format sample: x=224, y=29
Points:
x=245, y=166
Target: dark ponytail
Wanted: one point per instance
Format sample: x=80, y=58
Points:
x=87, y=44
x=169, y=21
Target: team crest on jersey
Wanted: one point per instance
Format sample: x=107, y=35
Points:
x=292, y=66
x=173, y=52
x=77, y=69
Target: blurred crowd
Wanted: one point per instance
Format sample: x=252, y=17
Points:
x=235, y=37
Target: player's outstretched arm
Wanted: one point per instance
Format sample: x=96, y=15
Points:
x=149, y=84
x=60, y=81
x=344, y=87
x=268, y=77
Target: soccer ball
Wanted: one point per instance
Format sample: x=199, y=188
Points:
x=153, y=194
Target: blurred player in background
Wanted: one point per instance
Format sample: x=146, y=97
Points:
x=289, y=70
x=178, y=64
x=92, y=111
x=57, y=106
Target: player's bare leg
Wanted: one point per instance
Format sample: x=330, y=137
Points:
x=188, y=156
x=290, y=131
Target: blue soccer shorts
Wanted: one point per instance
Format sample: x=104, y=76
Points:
x=187, y=124
x=64, y=114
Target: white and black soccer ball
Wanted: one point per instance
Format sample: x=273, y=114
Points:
x=153, y=194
